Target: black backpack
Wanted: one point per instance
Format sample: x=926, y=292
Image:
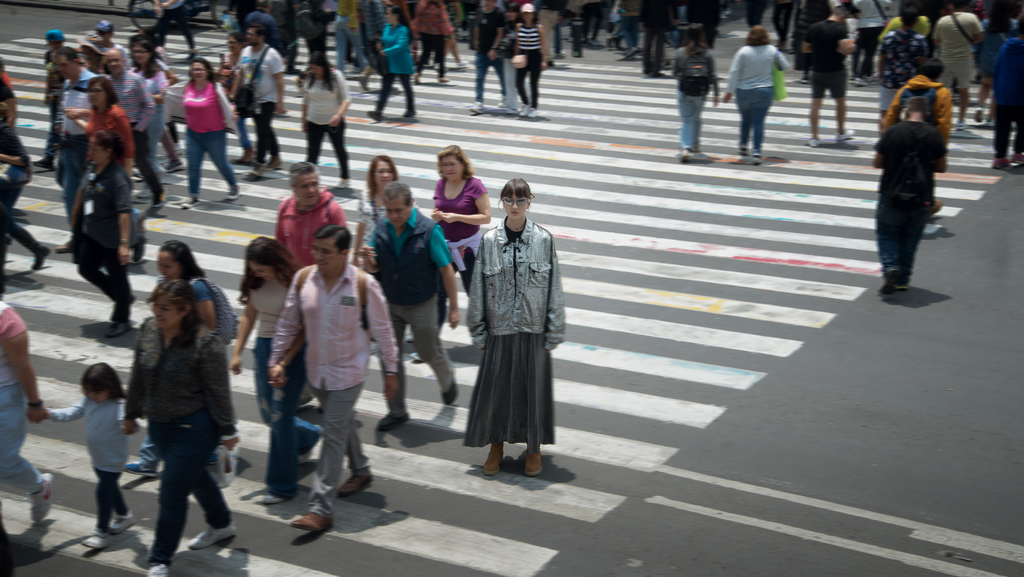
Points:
x=909, y=188
x=309, y=19
x=696, y=78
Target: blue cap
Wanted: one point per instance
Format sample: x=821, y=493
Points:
x=104, y=26
x=55, y=36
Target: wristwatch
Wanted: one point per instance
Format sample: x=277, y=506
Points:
x=36, y=405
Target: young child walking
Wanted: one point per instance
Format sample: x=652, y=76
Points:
x=103, y=409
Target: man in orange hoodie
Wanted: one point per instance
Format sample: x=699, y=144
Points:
x=310, y=207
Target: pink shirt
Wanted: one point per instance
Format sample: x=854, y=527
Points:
x=202, y=110
x=464, y=203
x=337, y=347
x=11, y=326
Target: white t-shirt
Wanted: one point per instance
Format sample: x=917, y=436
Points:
x=323, y=104
x=266, y=86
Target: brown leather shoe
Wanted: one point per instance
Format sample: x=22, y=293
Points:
x=354, y=484
x=493, y=463
x=533, y=465
x=313, y=522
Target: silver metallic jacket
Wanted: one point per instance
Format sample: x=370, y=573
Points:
x=527, y=298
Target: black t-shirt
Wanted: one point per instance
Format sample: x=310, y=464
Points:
x=488, y=26
x=824, y=37
x=906, y=137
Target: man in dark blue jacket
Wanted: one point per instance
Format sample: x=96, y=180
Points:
x=262, y=16
x=1008, y=89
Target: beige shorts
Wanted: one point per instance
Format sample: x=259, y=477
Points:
x=961, y=72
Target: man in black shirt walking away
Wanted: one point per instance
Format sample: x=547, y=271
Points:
x=656, y=17
x=909, y=154
x=829, y=44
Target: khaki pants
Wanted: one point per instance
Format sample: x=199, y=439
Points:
x=340, y=439
x=548, y=19
x=422, y=318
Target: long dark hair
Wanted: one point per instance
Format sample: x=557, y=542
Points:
x=318, y=58
x=211, y=76
x=401, y=15
x=182, y=254
x=100, y=378
x=266, y=251
x=695, y=40
x=999, y=18
x=179, y=294
x=112, y=141
x=152, y=66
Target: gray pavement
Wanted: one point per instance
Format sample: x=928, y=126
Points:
x=727, y=420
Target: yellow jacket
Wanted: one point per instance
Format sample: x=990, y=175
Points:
x=942, y=108
x=922, y=27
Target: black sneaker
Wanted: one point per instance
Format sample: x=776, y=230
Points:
x=139, y=250
x=158, y=201
x=44, y=164
x=890, y=276
x=373, y=114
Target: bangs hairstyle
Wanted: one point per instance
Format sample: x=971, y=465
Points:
x=403, y=19
x=266, y=251
x=102, y=378
x=179, y=294
x=211, y=76
x=107, y=86
x=757, y=36
x=153, y=65
x=371, y=184
x=318, y=59
x=516, y=188
x=182, y=254
x=460, y=155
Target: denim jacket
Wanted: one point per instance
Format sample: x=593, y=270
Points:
x=517, y=288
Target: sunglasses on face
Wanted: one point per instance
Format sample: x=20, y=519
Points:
x=508, y=200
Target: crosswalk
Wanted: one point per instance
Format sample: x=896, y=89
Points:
x=685, y=285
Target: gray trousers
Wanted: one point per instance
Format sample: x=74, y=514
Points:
x=340, y=439
x=422, y=318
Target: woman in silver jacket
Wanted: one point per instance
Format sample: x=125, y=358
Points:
x=517, y=317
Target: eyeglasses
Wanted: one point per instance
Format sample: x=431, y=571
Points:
x=96, y=91
x=140, y=52
x=508, y=200
x=385, y=171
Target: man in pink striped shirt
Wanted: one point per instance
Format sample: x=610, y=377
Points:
x=323, y=306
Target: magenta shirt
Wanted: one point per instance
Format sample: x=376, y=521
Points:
x=202, y=111
x=465, y=203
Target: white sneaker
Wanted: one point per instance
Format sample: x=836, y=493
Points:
x=42, y=500
x=97, y=541
x=757, y=159
x=211, y=536
x=848, y=135
x=532, y=113
x=121, y=523
x=961, y=125
x=477, y=108
x=269, y=499
x=523, y=110
x=813, y=143
x=510, y=110
x=233, y=193
x=684, y=155
x=159, y=571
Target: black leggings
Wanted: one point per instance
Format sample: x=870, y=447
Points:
x=533, y=60
x=592, y=15
x=782, y=15
x=385, y=92
x=179, y=16
x=266, y=139
x=92, y=256
x=315, y=136
x=432, y=44
x=867, y=43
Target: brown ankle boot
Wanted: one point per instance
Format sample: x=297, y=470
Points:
x=533, y=466
x=493, y=462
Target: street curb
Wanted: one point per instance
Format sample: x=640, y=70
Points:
x=69, y=6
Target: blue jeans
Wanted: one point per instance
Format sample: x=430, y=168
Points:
x=482, y=64
x=243, y=133
x=73, y=150
x=558, y=35
x=342, y=36
x=15, y=470
x=154, y=132
x=216, y=144
x=690, y=109
x=630, y=26
x=290, y=436
x=898, y=233
x=8, y=198
x=186, y=444
x=753, y=104
x=54, y=136
x=108, y=498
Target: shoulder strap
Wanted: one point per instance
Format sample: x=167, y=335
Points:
x=959, y=27
x=878, y=6
x=259, y=62
x=303, y=275
x=361, y=286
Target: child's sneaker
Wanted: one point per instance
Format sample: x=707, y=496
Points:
x=121, y=523
x=137, y=468
x=42, y=499
x=97, y=541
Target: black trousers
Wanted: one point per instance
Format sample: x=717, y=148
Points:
x=533, y=61
x=1005, y=117
x=782, y=15
x=142, y=160
x=432, y=44
x=592, y=15
x=707, y=19
x=655, y=36
x=385, y=92
x=92, y=256
x=315, y=136
x=266, y=139
x=867, y=44
x=318, y=44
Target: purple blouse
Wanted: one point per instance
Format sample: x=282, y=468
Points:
x=465, y=203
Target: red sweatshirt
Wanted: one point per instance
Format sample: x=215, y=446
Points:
x=295, y=228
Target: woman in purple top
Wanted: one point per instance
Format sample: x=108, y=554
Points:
x=461, y=205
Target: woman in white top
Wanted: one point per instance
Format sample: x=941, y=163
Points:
x=381, y=173
x=269, y=269
x=324, y=104
x=530, y=44
x=750, y=79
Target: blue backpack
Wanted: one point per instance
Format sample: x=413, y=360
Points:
x=928, y=93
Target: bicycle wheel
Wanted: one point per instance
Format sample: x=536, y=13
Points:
x=214, y=12
x=142, y=13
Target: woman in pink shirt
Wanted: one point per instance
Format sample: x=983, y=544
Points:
x=461, y=205
x=206, y=107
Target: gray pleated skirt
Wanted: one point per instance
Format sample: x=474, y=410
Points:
x=513, y=401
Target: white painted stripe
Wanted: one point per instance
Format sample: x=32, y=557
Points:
x=923, y=531
x=899, y=556
x=394, y=530
x=534, y=494
x=584, y=445
x=65, y=529
x=713, y=305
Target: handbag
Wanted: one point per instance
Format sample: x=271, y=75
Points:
x=778, y=81
x=246, y=101
x=519, y=61
x=12, y=176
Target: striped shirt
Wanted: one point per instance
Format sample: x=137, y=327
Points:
x=337, y=347
x=76, y=96
x=134, y=97
x=529, y=38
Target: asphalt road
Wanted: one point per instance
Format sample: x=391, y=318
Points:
x=863, y=445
